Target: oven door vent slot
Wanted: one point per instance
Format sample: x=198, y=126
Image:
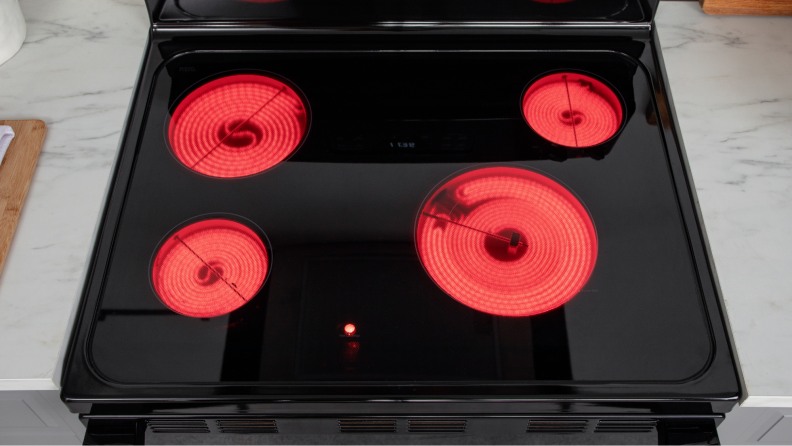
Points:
x=557, y=426
x=436, y=426
x=353, y=425
x=626, y=426
x=247, y=426
x=165, y=426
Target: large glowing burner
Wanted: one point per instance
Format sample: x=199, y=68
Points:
x=237, y=126
x=506, y=241
x=572, y=110
x=210, y=268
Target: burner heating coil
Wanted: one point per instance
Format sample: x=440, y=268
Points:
x=506, y=241
x=210, y=268
x=572, y=110
x=237, y=126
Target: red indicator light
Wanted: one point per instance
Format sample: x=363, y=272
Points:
x=506, y=241
x=572, y=110
x=349, y=329
x=237, y=126
x=210, y=268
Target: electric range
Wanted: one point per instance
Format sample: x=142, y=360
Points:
x=421, y=221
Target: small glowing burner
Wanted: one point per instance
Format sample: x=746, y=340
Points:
x=506, y=241
x=210, y=268
x=572, y=110
x=237, y=126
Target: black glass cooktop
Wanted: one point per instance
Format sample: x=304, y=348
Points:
x=346, y=294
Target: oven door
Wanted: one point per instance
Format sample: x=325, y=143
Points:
x=361, y=429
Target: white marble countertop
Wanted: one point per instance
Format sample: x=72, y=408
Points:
x=730, y=79
x=731, y=82
x=75, y=72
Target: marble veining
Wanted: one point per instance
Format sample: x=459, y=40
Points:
x=730, y=81
x=75, y=71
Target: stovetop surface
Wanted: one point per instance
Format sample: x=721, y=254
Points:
x=386, y=128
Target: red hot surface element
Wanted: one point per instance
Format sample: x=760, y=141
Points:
x=210, y=268
x=572, y=110
x=237, y=126
x=507, y=241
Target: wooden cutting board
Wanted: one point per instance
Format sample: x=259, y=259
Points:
x=747, y=7
x=16, y=172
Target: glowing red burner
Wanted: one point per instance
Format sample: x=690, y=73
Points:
x=572, y=110
x=210, y=268
x=237, y=126
x=507, y=241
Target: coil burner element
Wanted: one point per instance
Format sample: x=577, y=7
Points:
x=572, y=110
x=506, y=241
x=210, y=268
x=237, y=126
